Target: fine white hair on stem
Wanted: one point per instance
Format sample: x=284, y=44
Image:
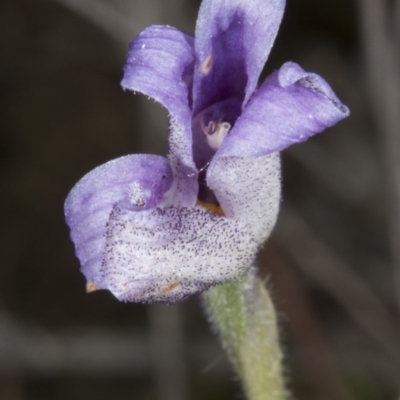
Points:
x=380, y=41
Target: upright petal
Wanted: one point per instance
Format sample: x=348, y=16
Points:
x=166, y=255
x=160, y=65
x=233, y=41
x=157, y=64
x=136, y=182
x=289, y=107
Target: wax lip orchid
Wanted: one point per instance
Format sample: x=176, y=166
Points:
x=142, y=224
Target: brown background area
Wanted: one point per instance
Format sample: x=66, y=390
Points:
x=331, y=262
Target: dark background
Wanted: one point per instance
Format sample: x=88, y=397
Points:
x=332, y=262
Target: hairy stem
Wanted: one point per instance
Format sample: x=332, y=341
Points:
x=243, y=314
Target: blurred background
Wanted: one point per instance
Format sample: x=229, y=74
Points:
x=332, y=263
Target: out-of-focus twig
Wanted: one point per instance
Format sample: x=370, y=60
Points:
x=319, y=364
x=338, y=279
x=167, y=350
x=348, y=180
x=122, y=20
x=381, y=53
x=396, y=23
x=35, y=352
x=106, y=16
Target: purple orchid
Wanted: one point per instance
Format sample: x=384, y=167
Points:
x=142, y=224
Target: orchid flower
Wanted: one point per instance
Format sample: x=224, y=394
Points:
x=151, y=229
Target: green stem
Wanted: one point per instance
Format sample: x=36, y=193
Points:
x=244, y=316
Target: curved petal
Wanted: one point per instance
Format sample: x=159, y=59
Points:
x=160, y=64
x=248, y=189
x=138, y=182
x=290, y=106
x=166, y=255
x=157, y=64
x=233, y=41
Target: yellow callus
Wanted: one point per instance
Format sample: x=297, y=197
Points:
x=211, y=207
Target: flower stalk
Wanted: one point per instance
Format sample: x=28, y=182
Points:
x=243, y=314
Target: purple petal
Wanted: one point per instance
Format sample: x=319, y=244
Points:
x=248, y=189
x=233, y=41
x=137, y=182
x=160, y=64
x=166, y=255
x=290, y=106
x=158, y=61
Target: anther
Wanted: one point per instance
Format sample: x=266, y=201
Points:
x=205, y=66
x=215, y=132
